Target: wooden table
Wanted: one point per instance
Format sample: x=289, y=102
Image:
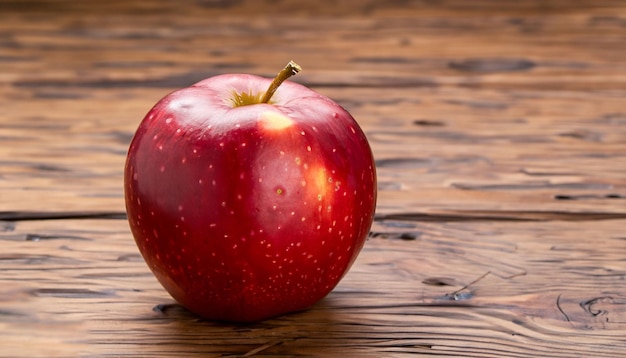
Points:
x=499, y=130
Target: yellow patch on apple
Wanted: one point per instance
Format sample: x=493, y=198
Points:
x=319, y=180
x=274, y=121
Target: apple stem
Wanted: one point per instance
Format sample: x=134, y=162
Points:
x=291, y=69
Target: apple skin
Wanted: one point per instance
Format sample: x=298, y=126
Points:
x=248, y=212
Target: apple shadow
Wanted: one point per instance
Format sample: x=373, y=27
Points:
x=319, y=329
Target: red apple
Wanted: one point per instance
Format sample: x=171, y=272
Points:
x=248, y=202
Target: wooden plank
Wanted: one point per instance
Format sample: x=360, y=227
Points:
x=562, y=159
x=552, y=116
x=575, y=162
x=470, y=289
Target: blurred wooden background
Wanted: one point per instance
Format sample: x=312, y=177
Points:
x=499, y=130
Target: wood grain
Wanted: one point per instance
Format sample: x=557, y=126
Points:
x=499, y=131
x=541, y=293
